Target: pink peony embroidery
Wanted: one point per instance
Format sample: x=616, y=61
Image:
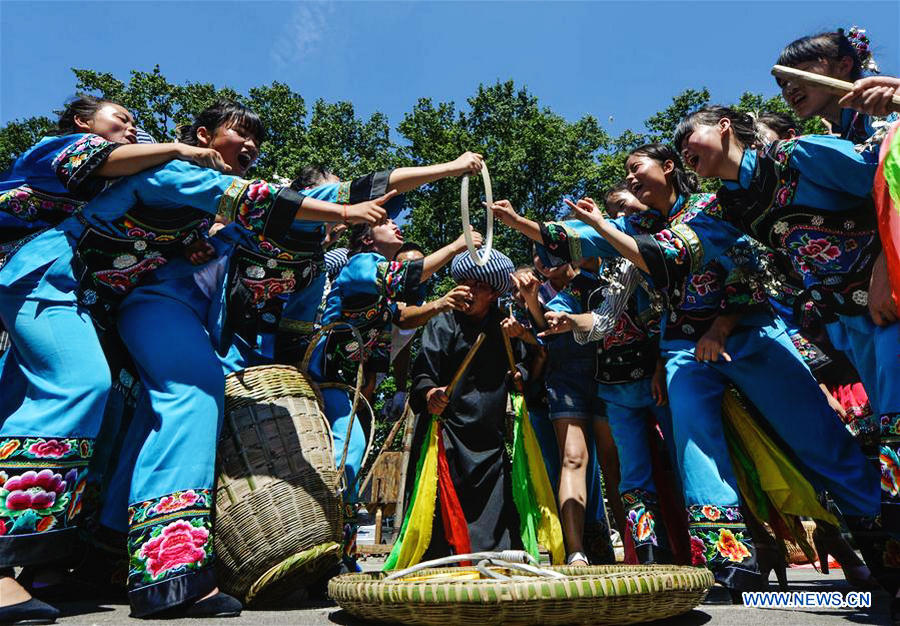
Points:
x=176, y=502
x=51, y=448
x=33, y=490
x=698, y=551
x=258, y=191
x=178, y=544
x=820, y=250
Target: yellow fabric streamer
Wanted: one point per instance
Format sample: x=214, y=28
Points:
x=549, y=531
x=787, y=489
x=418, y=532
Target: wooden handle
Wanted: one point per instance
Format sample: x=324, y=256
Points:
x=465, y=364
x=827, y=83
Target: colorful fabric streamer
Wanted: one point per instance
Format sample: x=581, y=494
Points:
x=532, y=492
x=773, y=488
x=432, y=483
x=415, y=533
x=886, y=192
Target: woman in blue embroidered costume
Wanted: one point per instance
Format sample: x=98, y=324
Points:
x=299, y=315
x=809, y=200
x=366, y=294
x=119, y=238
x=46, y=185
x=843, y=55
x=718, y=330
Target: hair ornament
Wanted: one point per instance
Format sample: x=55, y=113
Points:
x=860, y=42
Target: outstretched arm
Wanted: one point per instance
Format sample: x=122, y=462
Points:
x=405, y=179
x=503, y=210
x=589, y=213
x=439, y=258
x=133, y=158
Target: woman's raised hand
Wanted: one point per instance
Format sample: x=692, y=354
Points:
x=468, y=163
x=204, y=157
x=503, y=210
x=587, y=211
x=369, y=212
x=872, y=95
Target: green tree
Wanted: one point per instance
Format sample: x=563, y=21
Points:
x=536, y=158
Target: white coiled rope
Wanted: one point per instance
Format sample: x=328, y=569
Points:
x=484, y=257
x=508, y=559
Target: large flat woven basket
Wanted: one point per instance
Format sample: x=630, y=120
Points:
x=603, y=594
x=278, y=514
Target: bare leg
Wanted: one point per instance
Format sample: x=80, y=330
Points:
x=12, y=592
x=571, y=436
x=608, y=456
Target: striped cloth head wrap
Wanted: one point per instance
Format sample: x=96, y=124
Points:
x=495, y=272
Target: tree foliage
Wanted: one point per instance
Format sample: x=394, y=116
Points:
x=536, y=157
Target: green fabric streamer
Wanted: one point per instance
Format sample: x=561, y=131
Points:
x=522, y=489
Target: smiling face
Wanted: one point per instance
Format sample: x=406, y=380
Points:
x=111, y=121
x=624, y=203
x=705, y=147
x=238, y=148
x=647, y=180
x=807, y=101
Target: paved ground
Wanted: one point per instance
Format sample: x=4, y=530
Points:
x=714, y=612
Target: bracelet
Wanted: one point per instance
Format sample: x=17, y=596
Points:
x=345, y=214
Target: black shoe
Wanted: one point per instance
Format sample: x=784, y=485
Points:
x=29, y=612
x=219, y=605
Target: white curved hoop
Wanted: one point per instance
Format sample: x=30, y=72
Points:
x=485, y=255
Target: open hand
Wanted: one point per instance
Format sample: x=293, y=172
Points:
x=527, y=284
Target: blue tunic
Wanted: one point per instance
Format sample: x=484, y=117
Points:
x=46, y=184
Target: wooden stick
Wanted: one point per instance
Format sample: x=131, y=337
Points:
x=826, y=83
x=465, y=364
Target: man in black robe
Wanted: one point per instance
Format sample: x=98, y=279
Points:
x=474, y=415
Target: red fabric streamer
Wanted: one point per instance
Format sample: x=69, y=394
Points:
x=888, y=217
x=456, y=530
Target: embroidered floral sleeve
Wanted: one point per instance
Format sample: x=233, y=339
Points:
x=399, y=281
x=260, y=207
x=78, y=161
x=671, y=254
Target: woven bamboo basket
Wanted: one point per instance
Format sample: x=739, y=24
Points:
x=278, y=512
x=795, y=555
x=603, y=594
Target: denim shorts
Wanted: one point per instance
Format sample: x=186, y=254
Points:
x=572, y=394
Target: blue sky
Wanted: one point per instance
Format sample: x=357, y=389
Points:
x=620, y=59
